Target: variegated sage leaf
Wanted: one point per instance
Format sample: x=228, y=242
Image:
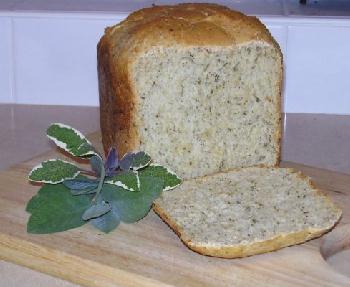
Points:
x=70, y=140
x=53, y=171
x=135, y=161
x=128, y=180
x=170, y=179
x=140, y=160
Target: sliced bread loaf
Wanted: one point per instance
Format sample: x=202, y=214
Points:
x=197, y=86
x=247, y=211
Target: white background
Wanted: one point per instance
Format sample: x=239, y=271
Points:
x=49, y=56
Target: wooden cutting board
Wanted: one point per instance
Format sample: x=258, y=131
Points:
x=148, y=253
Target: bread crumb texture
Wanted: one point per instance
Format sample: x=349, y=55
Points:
x=197, y=86
x=247, y=211
x=207, y=109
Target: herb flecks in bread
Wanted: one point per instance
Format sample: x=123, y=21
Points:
x=200, y=81
x=206, y=109
x=247, y=211
x=198, y=87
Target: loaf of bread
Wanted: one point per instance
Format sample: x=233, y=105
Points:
x=247, y=211
x=197, y=86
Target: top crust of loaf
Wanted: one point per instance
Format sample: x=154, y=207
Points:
x=182, y=25
x=187, y=25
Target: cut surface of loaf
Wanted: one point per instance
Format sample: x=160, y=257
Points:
x=197, y=86
x=247, y=211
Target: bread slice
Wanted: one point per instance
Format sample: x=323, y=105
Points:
x=247, y=211
x=197, y=86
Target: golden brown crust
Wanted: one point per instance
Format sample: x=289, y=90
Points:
x=258, y=247
x=188, y=25
x=168, y=220
x=116, y=101
x=279, y=110
x=254, y=247
x=167, y=26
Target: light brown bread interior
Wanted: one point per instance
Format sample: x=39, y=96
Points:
x=247, y=211
x=206, y=109
x=197, y=86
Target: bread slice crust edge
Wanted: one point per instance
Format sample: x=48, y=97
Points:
x=258, y=246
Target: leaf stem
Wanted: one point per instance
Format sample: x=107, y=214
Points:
x=100, y=184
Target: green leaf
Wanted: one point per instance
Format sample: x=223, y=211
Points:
x=150, y=187
x=133, y=206
x=53, y=171
x=81, y=184
x=140, y=160
x=106, y=222
x=54, y=209
x=126, y=161
x=76, y=192
x=100, y=183
x=171, y=180
x=96, y=164
x=96, y=209
x=70, y=140
x=128, y=180
x=134, y=160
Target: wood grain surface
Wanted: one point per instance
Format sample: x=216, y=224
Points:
x=148, y=253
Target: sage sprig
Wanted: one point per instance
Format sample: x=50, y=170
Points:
x=113, y=191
